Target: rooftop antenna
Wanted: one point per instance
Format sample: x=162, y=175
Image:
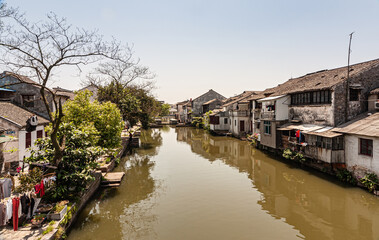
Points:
x=347, y=80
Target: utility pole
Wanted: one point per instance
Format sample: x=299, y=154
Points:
x=347, y=80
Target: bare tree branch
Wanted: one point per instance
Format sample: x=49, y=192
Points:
x=38, y=49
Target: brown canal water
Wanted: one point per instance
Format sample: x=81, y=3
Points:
x=186, y=184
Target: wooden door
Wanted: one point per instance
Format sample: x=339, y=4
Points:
x=242, y=126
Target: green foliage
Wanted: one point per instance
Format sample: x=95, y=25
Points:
x=345, y=175
x=136, y=104
x=105, y=117
x=164, y=109
x=47, y=230
x=27, y=181
x=79, y=158
x=370, y=180
x=198, y=122
x=293, y=155
x=206, y=121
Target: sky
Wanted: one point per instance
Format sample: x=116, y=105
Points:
x=228, y=46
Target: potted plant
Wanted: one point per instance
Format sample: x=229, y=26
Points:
x=58, y=211
x=37, y=220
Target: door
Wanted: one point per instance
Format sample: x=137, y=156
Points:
x=242, y=126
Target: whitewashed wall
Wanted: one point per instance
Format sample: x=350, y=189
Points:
x=281, y=108
x=359, y=162
x=21, y=141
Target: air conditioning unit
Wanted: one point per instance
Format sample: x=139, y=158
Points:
x=377, y=105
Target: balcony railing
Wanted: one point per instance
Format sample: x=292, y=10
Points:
x=268, y=115
x=241, y=114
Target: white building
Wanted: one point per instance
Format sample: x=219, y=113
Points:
x=13, y=121
x=362, y=144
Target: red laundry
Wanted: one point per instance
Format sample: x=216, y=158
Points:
x=298, y=133
x=40, y=188
x=16, y=204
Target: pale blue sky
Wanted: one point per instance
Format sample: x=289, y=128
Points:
x=229, y=46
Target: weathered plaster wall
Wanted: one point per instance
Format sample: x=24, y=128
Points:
x=358, y=162
x=367, y=81
x=268, y=140
x=313, y=114
x=197, y=104
x=222, y=126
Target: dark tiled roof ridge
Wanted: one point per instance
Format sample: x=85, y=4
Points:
x=17, y=114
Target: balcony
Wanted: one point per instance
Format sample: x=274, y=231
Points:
x=268, y=115
x=241, y=114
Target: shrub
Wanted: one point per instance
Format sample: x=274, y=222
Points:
x=370, y=180
x=293, y=155
x=345, y=175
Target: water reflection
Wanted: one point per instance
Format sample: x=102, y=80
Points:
x=116, y=213
x=186, y=184
x=318, y=208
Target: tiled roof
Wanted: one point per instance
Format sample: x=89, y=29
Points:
x=211, y=90
x=324, y=79
x=363, y=125
x=64, y=92
x=211, y=101
x=17, y=114
x=20, y=77
x=243, y=96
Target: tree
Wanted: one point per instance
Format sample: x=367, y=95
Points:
x=90, y=129
x=78, y=161
x=164, y=109
x=40, y=49
x=105, y=117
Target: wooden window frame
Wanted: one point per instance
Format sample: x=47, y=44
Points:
x=39, y=134
x=28, y=140
x=267, y=127
x=366, y=147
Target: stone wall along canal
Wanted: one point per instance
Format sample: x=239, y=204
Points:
x=186, y=184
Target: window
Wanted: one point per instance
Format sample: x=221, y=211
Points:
x=235, y=122
x=307, y=98
x=28, y=100
x=39, y=134
x=214, y=120
x=354, y=94
x=28, y=140
x=324, y=142
x=365, y=147
x=225, y=120
x=267, y=127
x=338, y=143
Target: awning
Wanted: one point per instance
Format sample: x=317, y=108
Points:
x=301, y=127
x=310, y=129
x=270, y=98
x=328, y=134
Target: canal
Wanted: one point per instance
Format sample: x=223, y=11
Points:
x=186, y=184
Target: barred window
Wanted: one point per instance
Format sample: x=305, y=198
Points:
x=307, y=98
x=267, y=127
x=365, y=147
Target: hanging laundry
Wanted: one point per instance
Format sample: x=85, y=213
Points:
x=298, y=133
x=16, y=204
x=6, y=187
x=40, y=189
x=3, y=214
